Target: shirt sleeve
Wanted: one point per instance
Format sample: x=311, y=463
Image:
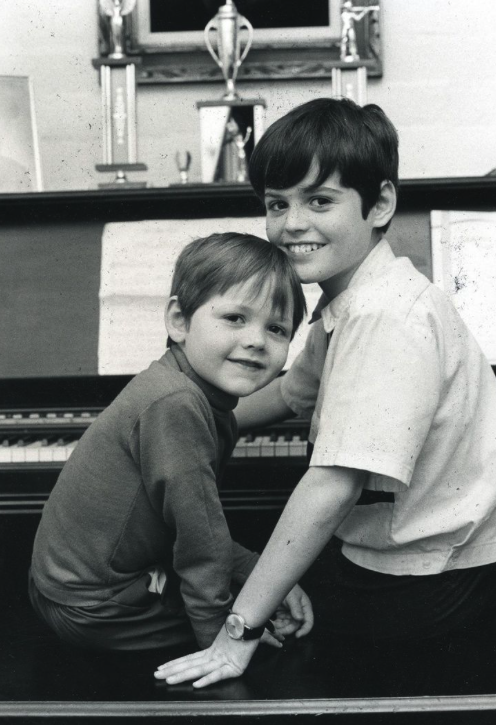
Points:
x=381, y=394
x=177, y=455
x=300, y=385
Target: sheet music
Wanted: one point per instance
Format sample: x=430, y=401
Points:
x=464, y=266
x=136, y=272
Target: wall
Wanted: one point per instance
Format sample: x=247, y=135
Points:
x=438, y=87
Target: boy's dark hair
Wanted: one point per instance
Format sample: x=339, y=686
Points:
x=211, y=265
x=360, y=143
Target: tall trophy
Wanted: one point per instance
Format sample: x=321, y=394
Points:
x=118, y=83
x=231, y=126
x=349, y=79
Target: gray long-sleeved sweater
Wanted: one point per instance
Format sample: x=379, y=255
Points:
x=141, y=490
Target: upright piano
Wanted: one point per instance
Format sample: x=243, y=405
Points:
x=50, y=391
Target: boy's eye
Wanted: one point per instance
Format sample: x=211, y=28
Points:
x=320, y=201
x=278, y=330
x=276, y=205
x=234, y=317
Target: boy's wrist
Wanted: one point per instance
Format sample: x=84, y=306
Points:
x=237, y=628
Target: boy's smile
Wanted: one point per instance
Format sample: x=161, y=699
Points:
x=322, y=229
x=236, y=341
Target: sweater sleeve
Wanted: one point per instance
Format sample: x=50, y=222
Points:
x=244, y=562
x=177, y=457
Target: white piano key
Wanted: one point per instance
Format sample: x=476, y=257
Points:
x=297, y=447
x=5, y=454
x=18, y=454
x=268, y=448
x=46, y=454
x=32, y=451
x=281, y=447
x=253, y=448
x=70, y=447
x=59, y=453
x=239, y=450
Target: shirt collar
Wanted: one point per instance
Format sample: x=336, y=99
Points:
x=217, y=398
x=372, y=265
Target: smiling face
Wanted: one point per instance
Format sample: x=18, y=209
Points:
x=322, y=228
x=235, y=341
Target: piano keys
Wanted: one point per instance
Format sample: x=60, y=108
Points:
x=35, y=443
x=50, y=437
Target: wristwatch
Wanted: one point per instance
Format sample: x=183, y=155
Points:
x=237, y=628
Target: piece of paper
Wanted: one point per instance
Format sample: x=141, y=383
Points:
x=136, y=272
x=464, y=266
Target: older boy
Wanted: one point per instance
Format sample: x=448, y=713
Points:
x=401, y=398
x=133, y=549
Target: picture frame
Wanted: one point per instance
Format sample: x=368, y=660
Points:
x=278, y=53
x=20, y=165
x=464, y=267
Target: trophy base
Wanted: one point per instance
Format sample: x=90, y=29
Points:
x=229, y=130
x=121, y=181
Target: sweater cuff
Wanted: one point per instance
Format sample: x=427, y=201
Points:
x=207, y=630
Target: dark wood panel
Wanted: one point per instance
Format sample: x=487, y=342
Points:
x=49, y=281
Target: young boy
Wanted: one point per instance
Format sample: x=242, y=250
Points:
x=401, y=399
x=133, y=550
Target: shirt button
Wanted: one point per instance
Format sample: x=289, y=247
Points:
x=426, y=564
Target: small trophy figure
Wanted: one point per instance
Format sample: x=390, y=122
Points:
x=234, y=136
x=116, y=10
x=351, y=14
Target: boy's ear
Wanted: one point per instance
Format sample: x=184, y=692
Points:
x=386, y=204
x=175, y=321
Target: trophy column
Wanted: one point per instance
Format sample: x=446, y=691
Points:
x=118, y=82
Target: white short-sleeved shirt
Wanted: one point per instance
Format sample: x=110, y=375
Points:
x=403, y=391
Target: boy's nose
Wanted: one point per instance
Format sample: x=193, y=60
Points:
x=295, y=220
x=254, y=337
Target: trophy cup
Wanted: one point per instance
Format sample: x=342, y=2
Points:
x=118, y=82
x=231, y=126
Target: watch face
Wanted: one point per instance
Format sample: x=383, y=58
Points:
x=235, y=626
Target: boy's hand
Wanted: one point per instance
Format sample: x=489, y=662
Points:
x=295, y=614
x=224, y=658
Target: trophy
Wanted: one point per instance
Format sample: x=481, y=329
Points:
x=118, y=82
x=351, y=14
x=231, y=126
x=183, y=162
x=350, y=78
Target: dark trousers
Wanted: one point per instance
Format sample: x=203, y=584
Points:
x=135, y=619
x=357, y=602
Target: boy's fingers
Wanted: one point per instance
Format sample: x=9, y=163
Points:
x=289, y=627
x=187, y=658
x=296, y=609
x=308, y=620
x=191, y=673
x=274, y=640
x=221, y=674
x=176, y=667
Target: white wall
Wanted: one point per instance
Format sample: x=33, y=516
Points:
x=438, y=87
